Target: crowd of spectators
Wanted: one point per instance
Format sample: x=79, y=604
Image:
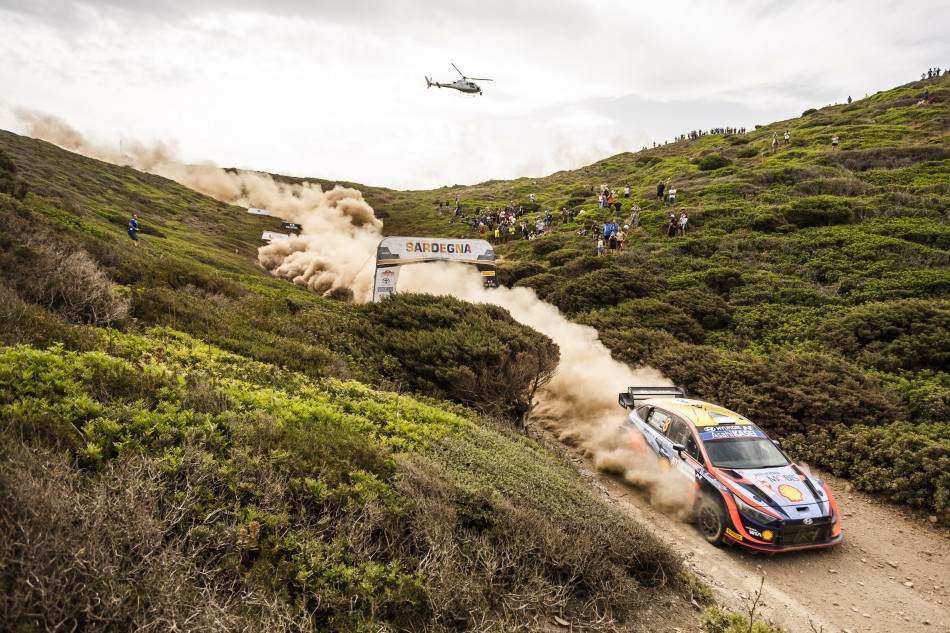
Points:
x=932, y=73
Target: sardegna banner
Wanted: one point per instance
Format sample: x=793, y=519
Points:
x=394, y=252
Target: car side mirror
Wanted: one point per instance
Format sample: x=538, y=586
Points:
x=777, y=443
x=678, y=449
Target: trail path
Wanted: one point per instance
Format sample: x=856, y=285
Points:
x=890, y=575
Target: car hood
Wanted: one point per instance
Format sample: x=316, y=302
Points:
x=782, y=489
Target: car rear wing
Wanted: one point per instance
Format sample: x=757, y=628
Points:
x=635, y=395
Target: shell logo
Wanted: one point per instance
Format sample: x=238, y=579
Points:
x=791, y=493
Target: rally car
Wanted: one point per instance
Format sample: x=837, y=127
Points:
x=746, y=490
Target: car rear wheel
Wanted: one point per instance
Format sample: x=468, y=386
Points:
x=710, y=519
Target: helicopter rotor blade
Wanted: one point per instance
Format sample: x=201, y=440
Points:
x=479, y=78
x=458, y=71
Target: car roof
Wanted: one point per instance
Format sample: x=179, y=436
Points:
x=698, y=412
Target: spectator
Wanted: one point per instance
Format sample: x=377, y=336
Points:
x=621, y=238
x=684, y=219
x=672, y=196
x=600, y=246
x=774, y=141
x=635, y=215
x=787, y=137
x=612, y=242
x=659, y=190
x=626, y=191
x=834, y=142
x=671, y=228
x=133, y=229
x=849, y=99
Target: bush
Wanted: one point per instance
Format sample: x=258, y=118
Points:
x=747, y=152
x=910, y=335
x=510, y=274
x=476, y=355
x=646, y=313
x=602, y=288
x=809, y=111
x=823, y=210
x=10, y=182
x=710, y=162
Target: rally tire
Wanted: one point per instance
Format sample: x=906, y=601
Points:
x=711, y=520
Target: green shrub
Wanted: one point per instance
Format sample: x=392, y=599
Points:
x=510, y=274
x=747, y=152
x=476, y=355
x=710, y=162
x=602, y=288
x=809, y=111
x=908, y=334
x=822, y=210
x=646, y=313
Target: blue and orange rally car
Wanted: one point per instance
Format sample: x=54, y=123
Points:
x=747, y=490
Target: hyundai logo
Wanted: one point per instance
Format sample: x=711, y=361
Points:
x=807, y=521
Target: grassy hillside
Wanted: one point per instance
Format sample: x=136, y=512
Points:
x=810, y=292
x=185, y=438
x=193, y=438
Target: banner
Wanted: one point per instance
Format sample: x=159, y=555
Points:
x=393, y=252
x=270, y=236
x=257, y=211
x=385, y=282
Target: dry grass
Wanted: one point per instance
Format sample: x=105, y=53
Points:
x=102, y=556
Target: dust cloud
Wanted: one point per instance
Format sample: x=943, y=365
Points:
x=340, y=231
x=580, y=403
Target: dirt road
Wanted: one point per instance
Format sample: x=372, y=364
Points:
x=890, y=575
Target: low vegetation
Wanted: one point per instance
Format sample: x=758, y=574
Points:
x=188, y=439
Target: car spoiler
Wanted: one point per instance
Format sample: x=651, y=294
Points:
x=635, y=395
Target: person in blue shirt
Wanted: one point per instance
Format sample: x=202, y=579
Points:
x=134, y=229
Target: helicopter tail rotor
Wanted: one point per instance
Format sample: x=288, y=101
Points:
x=428, y=82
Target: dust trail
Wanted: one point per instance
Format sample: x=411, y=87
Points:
x=340, y=234
x=340, y=230
x=580, y=403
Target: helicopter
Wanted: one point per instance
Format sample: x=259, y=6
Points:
x=465, y=84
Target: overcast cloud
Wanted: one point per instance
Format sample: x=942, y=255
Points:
x=336, y=89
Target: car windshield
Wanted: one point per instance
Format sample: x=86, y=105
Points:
x=744, y=452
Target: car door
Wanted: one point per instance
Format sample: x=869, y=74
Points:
x=678, y=432
x=654, y=422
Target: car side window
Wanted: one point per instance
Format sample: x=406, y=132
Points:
x=643, y=413
x=658, y=419
x=678, y=432
x=692, y=449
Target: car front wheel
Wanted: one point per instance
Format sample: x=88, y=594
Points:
x=710, y=519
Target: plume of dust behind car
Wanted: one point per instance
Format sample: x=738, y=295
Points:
x=612, y=452
x=579, y=405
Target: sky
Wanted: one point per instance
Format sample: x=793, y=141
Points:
x=336, y=90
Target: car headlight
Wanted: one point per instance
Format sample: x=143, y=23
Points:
x=753, y=513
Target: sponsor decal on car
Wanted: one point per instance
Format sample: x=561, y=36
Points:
x=733, y=534
x=791, y=493
x=753, y=532
x=721, y=433
x=779, y=477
